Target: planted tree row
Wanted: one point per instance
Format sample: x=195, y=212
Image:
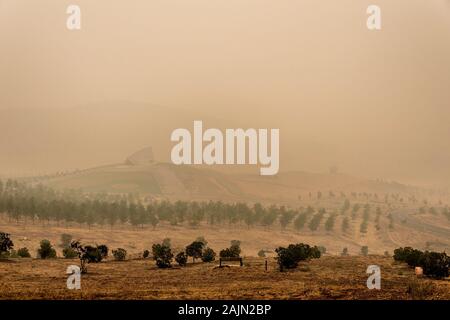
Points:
x=38, y=203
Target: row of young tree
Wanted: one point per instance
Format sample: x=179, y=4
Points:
x=30, y=203
x=21, y=201
x=387, y=197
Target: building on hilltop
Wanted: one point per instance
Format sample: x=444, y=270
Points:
x=144, y=156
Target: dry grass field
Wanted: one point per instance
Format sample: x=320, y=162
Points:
x=435, y=230
x=329, y=277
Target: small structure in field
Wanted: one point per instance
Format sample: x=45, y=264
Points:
x=231, y=259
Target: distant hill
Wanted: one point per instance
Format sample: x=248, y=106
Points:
x=168, y=181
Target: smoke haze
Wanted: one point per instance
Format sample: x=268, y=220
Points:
x=374, y=104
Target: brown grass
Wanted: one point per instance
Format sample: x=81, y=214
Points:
x=137, y=239
x=326, y=278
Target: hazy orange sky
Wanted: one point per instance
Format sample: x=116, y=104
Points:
x=376, y=104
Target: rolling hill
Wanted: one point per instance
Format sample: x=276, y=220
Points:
x=168, y=181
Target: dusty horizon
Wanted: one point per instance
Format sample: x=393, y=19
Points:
x=373, y=104
x=224, y=155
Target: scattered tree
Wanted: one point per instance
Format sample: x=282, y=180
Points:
x=181, y=258
x=195, y=250
x=120, y=254
x=434, y=264
x=6, y=243
x=103, y=250
x=208, y=255
x=86, y=254
x=290, y=257
x=46, y=250
x=234, y=251
x=23, y=253
x=163, y=255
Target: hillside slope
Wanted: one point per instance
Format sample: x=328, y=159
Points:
x=168, y=181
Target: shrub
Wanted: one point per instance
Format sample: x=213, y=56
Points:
x=120, y=254
x=286, y=258
x=414, y=258
x=181, y=259
x=103, y=249
x=400, y=254
x=93, y=254
x=409, y=255
x=23, y=253
x=86, y=254
x=6, y=243
x=261, y=253
x=344, y=252
x=195, y=250
x=208, y=255
x=69, y=253
x=145, y=254
x=290, y=257
x=162, y=255
x=434, y=264
x=46, y=251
